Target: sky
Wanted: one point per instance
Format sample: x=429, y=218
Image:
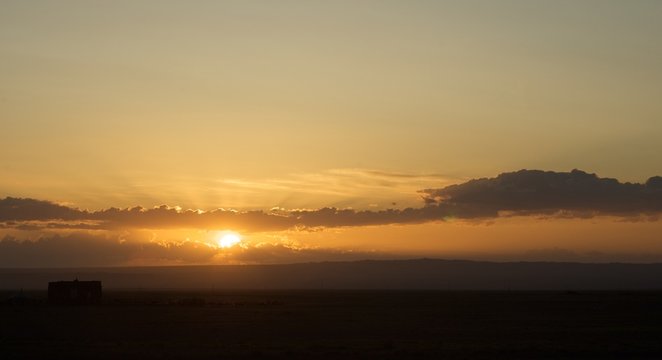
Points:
x=328, y=130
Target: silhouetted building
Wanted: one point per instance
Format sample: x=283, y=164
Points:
x=74, y=292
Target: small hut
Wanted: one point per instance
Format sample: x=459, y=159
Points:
x=74, y=292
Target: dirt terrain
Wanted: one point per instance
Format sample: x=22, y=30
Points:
x=309, y=324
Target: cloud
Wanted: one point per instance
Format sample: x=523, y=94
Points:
x=81, y=249
x=525, y=192
x=168, y=217
x=84, y=249
x=357, y=188
x=17, y=209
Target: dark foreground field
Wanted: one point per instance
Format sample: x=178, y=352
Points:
x=337, y=324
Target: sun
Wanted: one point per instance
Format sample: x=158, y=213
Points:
x=229, y=240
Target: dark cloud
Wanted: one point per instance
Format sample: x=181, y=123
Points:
x=17, y=209
x=167, y=217
x=542, y=192
x=525, y=192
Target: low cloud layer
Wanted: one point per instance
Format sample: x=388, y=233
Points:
x=81, y=249
x=525, y=192
x=542, y=192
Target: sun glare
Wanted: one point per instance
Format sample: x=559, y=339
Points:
x=229, y=240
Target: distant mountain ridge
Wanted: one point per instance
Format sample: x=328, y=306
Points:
x=417, y=274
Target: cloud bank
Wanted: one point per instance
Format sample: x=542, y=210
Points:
x=525, y=192
x=542, y=192
x=81, y=249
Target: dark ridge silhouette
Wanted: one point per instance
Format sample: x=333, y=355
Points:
x=397, y=274
x=74, y=292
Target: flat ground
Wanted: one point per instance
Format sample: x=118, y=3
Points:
x=337, y=324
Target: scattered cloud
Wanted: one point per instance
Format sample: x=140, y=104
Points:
x=357, y=188
x=342, y=187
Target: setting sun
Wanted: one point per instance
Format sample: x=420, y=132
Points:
x=229, y=240
x=270, y=179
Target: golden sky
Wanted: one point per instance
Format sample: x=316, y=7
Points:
x=285, y=106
